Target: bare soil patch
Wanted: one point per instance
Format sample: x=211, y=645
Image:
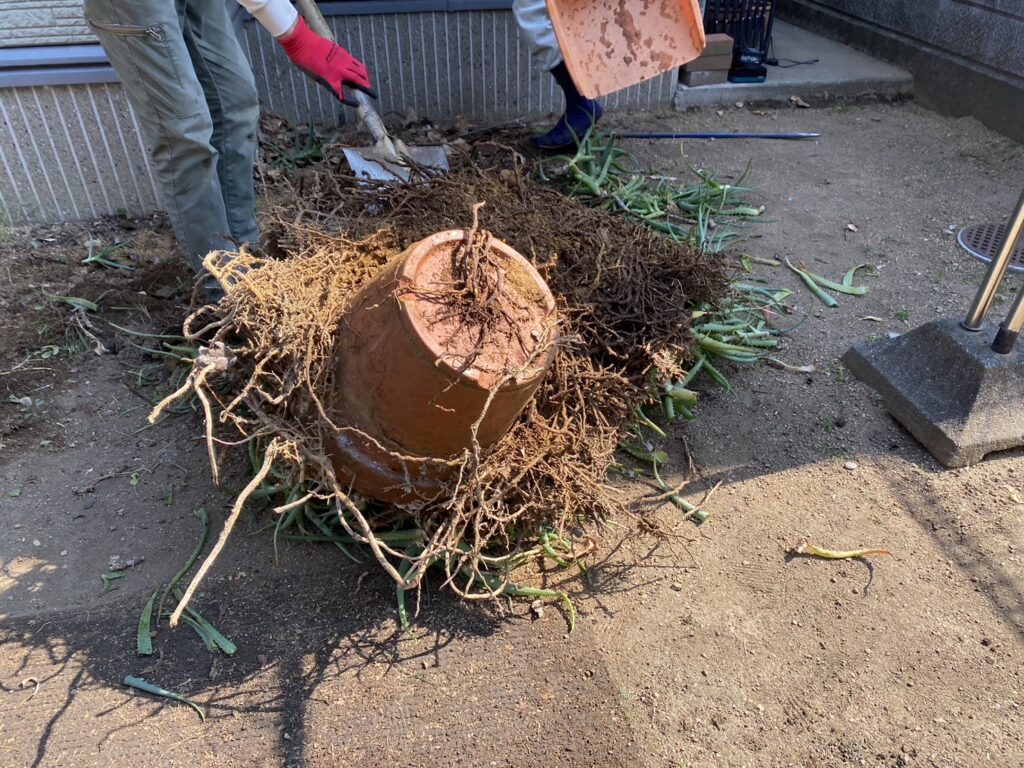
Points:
x=710, y=648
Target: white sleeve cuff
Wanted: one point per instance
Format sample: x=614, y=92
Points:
x=276, y=16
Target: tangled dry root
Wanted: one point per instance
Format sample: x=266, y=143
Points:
x=623, y=295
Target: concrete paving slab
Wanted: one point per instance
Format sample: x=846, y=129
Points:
x=839, y=71
x=944, y=384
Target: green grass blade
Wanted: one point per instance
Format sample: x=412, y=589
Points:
x=557, y=594
x=403, y=570
x=709, y=344
x=691, y=510
x=851, y=290
x=326, y=531
x=205, y=519
x=668, y=406
x=494, y=585
x=142, y=335
x=139, y=684
x=682, y=395
x=827, y=299
x=203, y=634
x=658, y=457
x=144, y=638
x=692, y=373
x=404, y=536
x=713, y=372
x=74, y=302
x=641, y=418
x=284, y=522
x=108, y=579
x=848, y=277
x=160, y=353
x=218, y=639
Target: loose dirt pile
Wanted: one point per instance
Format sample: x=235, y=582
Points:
x=623, y=297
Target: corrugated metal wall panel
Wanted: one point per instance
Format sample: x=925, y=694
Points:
x=73, y=152
x=438, y=64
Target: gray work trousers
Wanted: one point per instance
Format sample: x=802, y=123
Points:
x=193, y=92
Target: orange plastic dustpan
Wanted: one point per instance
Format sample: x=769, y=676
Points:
x=613, y=44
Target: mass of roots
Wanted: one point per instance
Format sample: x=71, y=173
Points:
x=266, y=372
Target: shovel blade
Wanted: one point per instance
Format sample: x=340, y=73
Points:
x=372, y=163
x=431, y=157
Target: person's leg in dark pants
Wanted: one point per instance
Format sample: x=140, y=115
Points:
x=227, y=82
x=580, y=112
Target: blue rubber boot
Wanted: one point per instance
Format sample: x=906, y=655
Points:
x=580, y=114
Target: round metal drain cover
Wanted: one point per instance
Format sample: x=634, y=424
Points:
x=982, y=241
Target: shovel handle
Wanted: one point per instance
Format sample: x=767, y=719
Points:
x=315, y=19
x=372, y=120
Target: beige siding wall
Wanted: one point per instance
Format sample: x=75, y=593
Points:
x=42, y=22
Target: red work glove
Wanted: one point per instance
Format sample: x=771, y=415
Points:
x=329, y=63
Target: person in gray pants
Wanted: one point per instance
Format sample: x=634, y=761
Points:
x=192, y=89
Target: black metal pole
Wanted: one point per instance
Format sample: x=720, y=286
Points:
x=712, y=135
x=1009, y=329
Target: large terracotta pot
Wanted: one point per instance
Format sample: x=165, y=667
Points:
x=403, y=385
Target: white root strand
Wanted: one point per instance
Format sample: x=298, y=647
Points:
x=236, y=510
x=211, y=450
x=297, y=503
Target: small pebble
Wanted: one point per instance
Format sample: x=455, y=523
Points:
x=36, y=543
x=850, y=465
x=63, y=553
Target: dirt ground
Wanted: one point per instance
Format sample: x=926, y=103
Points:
x=711, y=648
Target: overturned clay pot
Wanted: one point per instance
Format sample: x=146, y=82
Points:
x=414, y=372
